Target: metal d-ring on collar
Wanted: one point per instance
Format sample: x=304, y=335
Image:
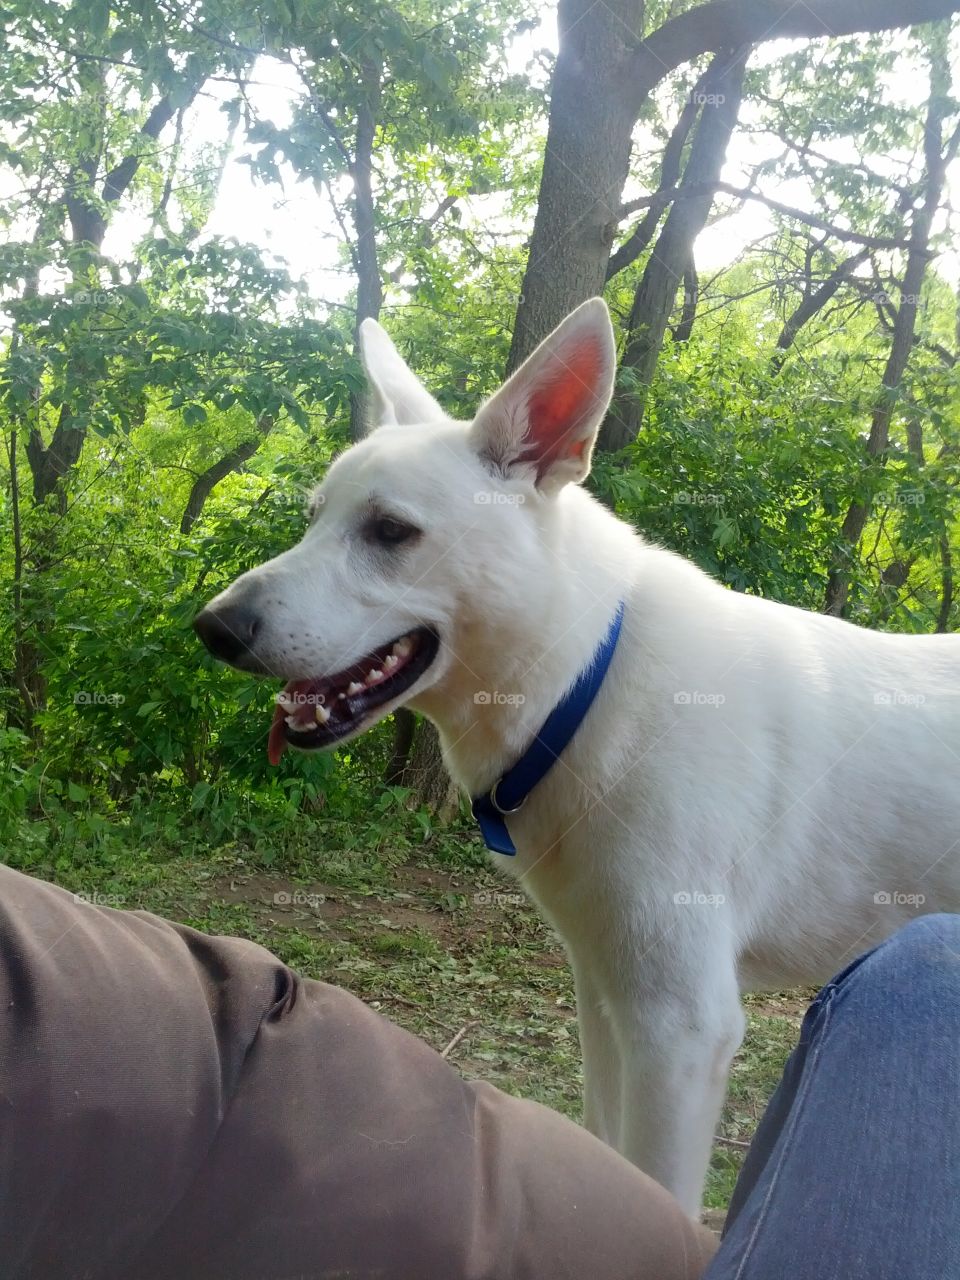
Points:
x=509, y=792
x=492, y=797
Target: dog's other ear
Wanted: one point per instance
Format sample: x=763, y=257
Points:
x=546, y=416
x=398, y=394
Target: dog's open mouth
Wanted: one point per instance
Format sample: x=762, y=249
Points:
x=312, y=714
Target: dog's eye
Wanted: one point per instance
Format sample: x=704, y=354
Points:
x=389, y=531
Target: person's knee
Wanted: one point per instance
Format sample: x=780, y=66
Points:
x=923, y=952
x=923, y=940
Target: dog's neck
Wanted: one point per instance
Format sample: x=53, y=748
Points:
x=508, y=674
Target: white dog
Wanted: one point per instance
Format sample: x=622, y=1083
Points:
x=756, y=794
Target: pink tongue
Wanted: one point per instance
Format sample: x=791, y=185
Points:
x=277, y=742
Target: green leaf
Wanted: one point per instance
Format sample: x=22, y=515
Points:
x=96, y=17
x=200, y=794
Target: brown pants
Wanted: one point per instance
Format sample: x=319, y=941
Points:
x=179, y=1106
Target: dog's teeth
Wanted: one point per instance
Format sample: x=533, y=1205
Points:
x=374, y=676
x=354, y=687
x=403, y=647
x=390, y=661
x=341, y=697
x=322, y=714
x=291, y=721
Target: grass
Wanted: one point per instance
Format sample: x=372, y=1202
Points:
x=423, y=929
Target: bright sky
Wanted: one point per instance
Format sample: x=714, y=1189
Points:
x=297, y=226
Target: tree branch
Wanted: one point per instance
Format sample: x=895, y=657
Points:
x=725, y=24
x=643, y=233
x=207, y=481
x=815, y=302
x=118, y=179
x=672, y=255
x=813, y=220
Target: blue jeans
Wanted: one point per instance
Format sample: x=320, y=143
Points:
x=855, y=1169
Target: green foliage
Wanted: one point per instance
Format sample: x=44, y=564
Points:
x=748, y=470
x=150, y=360
x=738, y=473
x=200, y=327
x=145, y=370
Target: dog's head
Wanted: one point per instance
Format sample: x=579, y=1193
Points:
x=424, y=530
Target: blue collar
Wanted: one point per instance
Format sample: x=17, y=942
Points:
x=509, y=792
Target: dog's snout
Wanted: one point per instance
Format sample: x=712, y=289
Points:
x=228, y=631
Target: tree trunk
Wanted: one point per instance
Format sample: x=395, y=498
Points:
x=673, y=253
x=904, y=326
x=603, y=77
x=404, y=729
x=366, y=257
x=946, y=583
x=584, y=166
x=427, y=775
x=691, y=298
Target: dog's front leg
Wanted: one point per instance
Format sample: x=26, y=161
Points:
x=675, y=1053
x=601, y=1060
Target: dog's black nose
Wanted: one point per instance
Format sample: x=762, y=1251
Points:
x=228, y=631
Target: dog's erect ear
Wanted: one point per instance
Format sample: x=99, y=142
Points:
x=544, y=419
x=398, y=394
